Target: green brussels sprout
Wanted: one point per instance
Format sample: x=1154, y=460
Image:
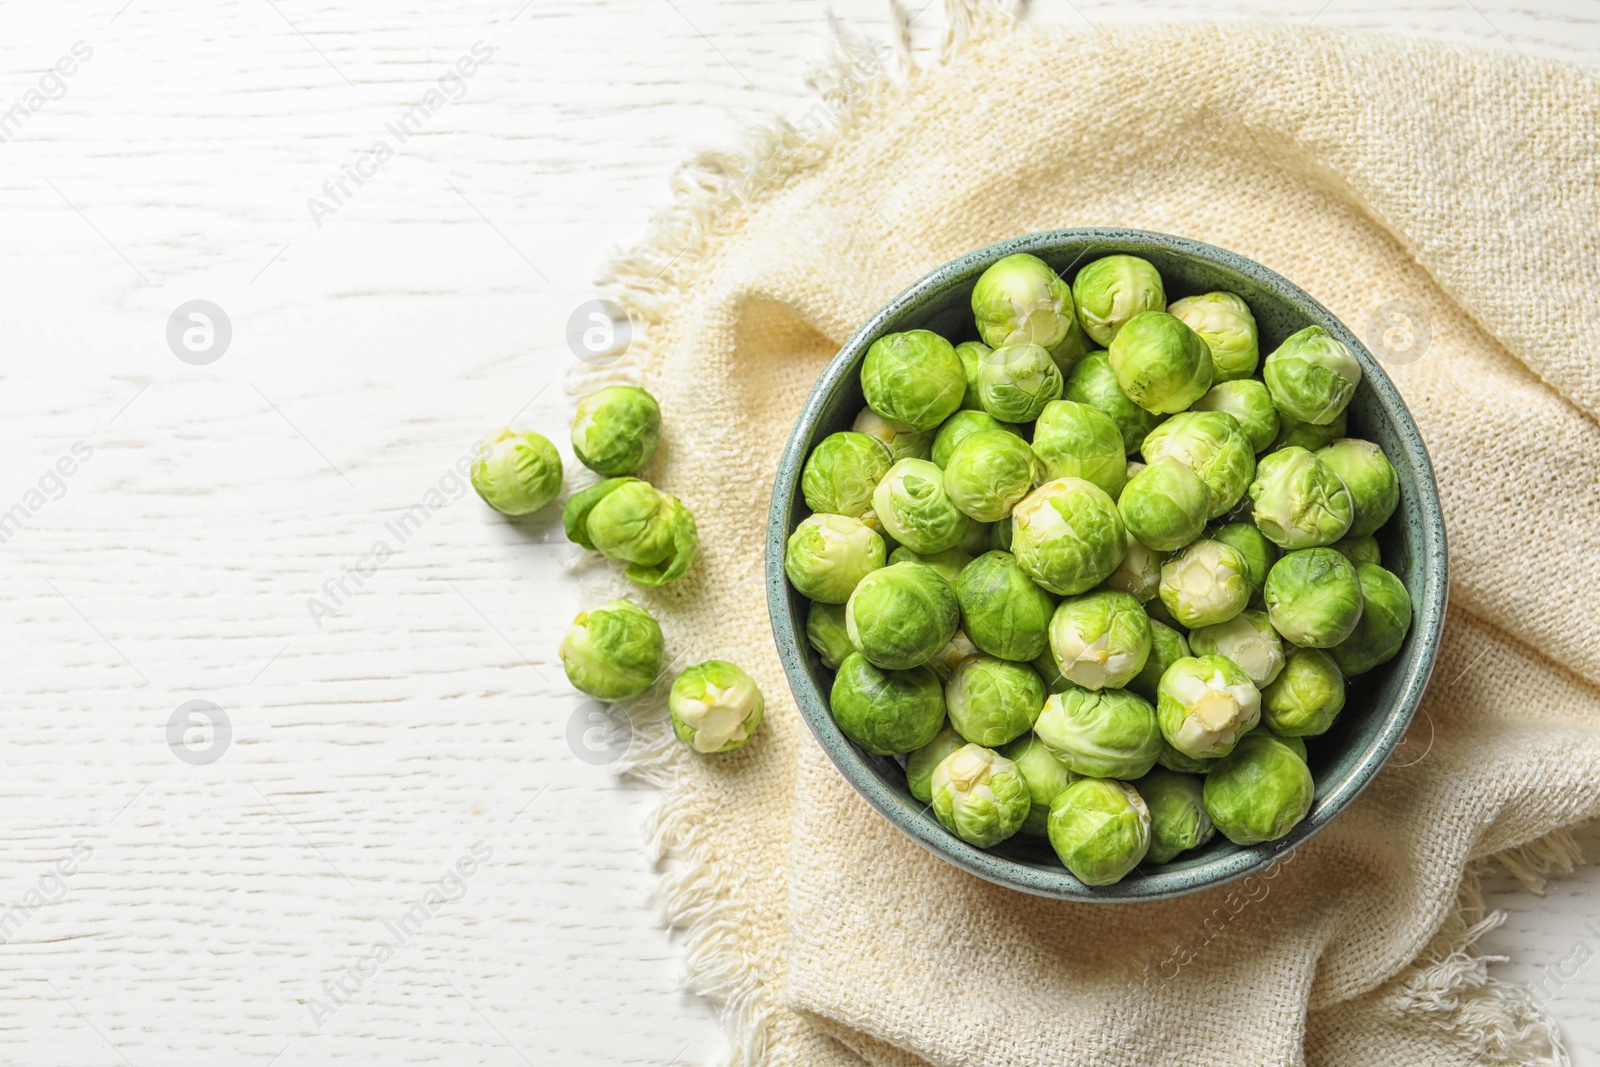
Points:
x=886, y=712
x=1205, y=704
x=1072, y=348
x=1259, y=791
x=1094, y=384
x=1305, y=435
x=1100, y=640
x=1298, y=501
x=1100, y=829
x=1111, y=733
x=516, y=472
x=1297, y=745
x=1247, y=639
x=902, y=441
x=827, y=556
x=1000, y=536
x=1178, y=819
x=1248, y=401
x=615, y=430
x=1211, y=444
x=1067, y=536
x=1167, y=646
x=920, y=764
x=1370, y=477
x=1112, y=290
x=1206, y=583
x=991, y=701
x=1002, y=611
x=971, y=354
x=913, y=378
x=841, y=473
x=715, y=706
x=915, y=510
x=899, y=617
x=976, y=541
x=951, y=656
x=979, y=796
x=1314, y=597
x=1259, y=553
x=1048, y=669
x=1043, y=774
x=961, y=425
x=1312, y=376
x=1173, y=760
x=1016, y=382
x=948, y=563
x=612, y=652
x=988, y=472
x=1165, y=505
x=1224, y=322
x=1139, y=573
x=1381, y=630
x=1161, y=364
x=632, y=521
x=826, y=631
x=1020, y=300
x=1358, y=549
x=1073, y=440
x=1306, y=698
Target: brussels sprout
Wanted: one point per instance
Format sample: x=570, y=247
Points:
x=1002, y=611
x=960, y=426
x=988, y=472
x=1211, y=444
x=1158, y=613
x=1178, y=819
x=1161, y=364
x=1247, y=639
x=1112, y=290
x=1100, y=640
x=1167, y=646
x=1020, y=300
x=715, y=706
x=1381, y=630
x=1107, y=734
x=948, y=563
x=631, y=521
x=1259, y=553
x=827, y=556
x=1312, y=376
x=1367, y=473
x=1314, y=597
x=1048, y=669
x=1173, y=760
x=1000, y=536
x=1067, y=536
x=612, y=652
x=951, y=656
x=913, y=378
x=1307, y=697
x=1072, y=348
x=899, y=617
x=1043, y=774
x=1165, y=505
x=979, y=796
x=1207, y=583
x=1258, y=792
x=615, y=430
x=1298, y=501
x=1139, y=573
x=971, y=354
x=1094, y=384
x=991, y=701
x=1248, y=401
x=886, y=712
x=1073, y=440
x=841, y=473
x=1100, y=829
x=1297, y=745
x=516, y=472
x=1306, y=436
x=915, y=510
x=1224, y=322
x=1016, y=382
x=920, y=764
x=826, y=631
x=1358, y=549
x=902, y=441
x=1206, y=704
x=977, y=540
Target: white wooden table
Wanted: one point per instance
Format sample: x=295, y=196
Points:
x=402, y=764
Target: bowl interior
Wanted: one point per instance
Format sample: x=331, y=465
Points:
x=1379, y=705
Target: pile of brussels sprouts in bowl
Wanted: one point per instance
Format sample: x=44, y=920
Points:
x=1093, y=574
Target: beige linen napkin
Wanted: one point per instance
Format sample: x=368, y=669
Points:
x=1443, y=202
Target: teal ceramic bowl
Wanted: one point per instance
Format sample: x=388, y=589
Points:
x=1379, y=705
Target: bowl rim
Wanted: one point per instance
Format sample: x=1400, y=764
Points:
x=1428, y=613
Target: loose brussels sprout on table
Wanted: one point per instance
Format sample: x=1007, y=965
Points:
x=516, y=472
x=715, y=706
x=613, y=652
x=616, y=429
x=632, y=521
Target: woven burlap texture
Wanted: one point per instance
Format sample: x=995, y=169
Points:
x=1443, y=195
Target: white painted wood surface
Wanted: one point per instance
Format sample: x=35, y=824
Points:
x=204, y=906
